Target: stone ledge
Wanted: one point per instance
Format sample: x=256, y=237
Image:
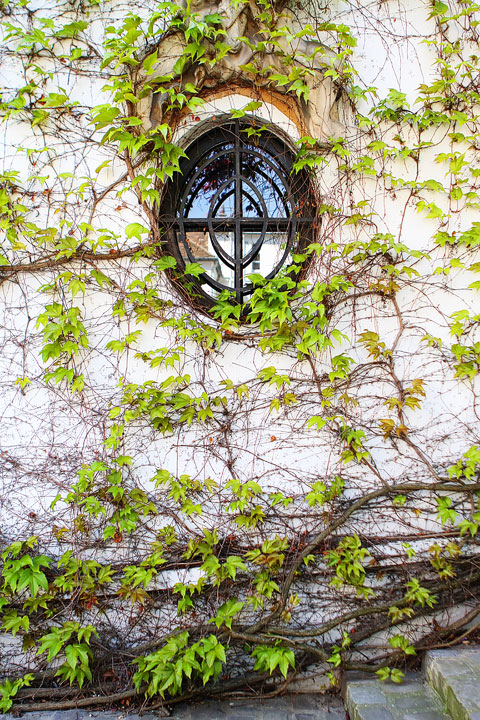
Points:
x=455, y=675
x=410, y=700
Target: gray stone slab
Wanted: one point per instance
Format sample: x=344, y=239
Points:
x=426, y=715
x=208, y=712
x=238, y=712
x=469, y=653
x=404, y=688
x=455, y=675
x=365, y=693
x=456, y=667
x=282, y=713
x=290, y=707
x=306, y=702
x=238, y=708
x=373, y=712
x=466, y=690
x=413, y=703
x=370, y=700
x=55, y=715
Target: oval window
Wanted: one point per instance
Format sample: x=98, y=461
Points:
x=237, y=209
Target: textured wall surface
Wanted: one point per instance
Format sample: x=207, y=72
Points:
x=371, y=392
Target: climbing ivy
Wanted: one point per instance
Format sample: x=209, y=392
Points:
x=193, y=530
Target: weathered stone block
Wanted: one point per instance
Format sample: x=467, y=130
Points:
x=374, y=712
x=425, y=715
x=365, y=693
x=413, y=702
x=404, y=688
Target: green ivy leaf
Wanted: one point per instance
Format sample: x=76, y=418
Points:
x=136, y=230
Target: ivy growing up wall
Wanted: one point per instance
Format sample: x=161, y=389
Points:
x=212, y=502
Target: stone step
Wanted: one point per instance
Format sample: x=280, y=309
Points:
x=367, y=699
x=455, y=675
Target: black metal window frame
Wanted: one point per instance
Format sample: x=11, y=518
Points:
x=295, y=189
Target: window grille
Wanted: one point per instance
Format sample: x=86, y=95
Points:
x=236, y=208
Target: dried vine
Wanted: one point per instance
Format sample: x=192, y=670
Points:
x=239, y=494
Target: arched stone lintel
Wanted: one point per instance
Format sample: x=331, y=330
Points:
x=318, y=117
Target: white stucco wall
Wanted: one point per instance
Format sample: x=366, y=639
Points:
x=47, y=434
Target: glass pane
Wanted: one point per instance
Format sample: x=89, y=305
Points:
x=201, y=250
x=270, y=254
x=219, y=170
x=224, y=206
x=196, y=242
x=267, y=178
x=226, y=241
x=252, y=206
x=247, y=211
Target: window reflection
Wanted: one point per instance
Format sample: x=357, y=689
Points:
x=235, y=208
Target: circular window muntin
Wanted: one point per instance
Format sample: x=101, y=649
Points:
x=217, y=141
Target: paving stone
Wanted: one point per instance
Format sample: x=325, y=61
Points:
x=470, y=654
x=319, y=709
x=404, y=688
x=295, y=707
x=466, y=691
x=306, y=702
x=282, y=713
x=241, y=710
x=290, y=707
x=207, y=712
x=54, y=715
x=411, y=699
x=455, y=675
x=414, y=702
x=458, y=667
x=363, y=693
x=373, y=712
x=425, y=715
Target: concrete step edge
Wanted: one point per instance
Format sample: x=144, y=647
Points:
x=369, y=699
x=455, y=675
